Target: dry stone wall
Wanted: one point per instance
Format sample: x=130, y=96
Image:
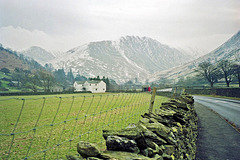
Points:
x=167, y=134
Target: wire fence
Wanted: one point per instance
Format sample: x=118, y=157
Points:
x=50, y=127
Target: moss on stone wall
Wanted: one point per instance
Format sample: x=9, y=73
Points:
x=168, y=133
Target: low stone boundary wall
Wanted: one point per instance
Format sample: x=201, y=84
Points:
x=166, y=94
x=229, y=92
x=167, y=134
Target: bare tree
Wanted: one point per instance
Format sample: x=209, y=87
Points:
x=21, y=76
x=47, y=79
x=209, y=72
x=236, y=72
x=33, y=81
x=227, y=70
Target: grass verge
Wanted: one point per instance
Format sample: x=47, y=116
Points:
x=215, y=96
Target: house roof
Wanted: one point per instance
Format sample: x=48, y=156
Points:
x=91, y=82
x=94, y=82
x=80, y=82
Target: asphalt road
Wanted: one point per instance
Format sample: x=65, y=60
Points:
x=217, y=140
x=229, y=109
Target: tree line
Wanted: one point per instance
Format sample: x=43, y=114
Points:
x=224, y=69
x=39, y=79
x=46, y=78
x=26, y=79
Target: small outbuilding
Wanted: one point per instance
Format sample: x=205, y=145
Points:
x=56, y=88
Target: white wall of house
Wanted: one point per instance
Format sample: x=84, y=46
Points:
x=78, y=87
x=97, y=87
x=93, y=86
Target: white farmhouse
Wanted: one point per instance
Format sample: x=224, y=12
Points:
x=92, y=86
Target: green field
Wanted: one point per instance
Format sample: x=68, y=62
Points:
x=49, y=127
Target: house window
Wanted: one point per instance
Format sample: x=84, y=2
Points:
x=96, y=89
x=90, y=84
x=103, y=88
x=95, y=84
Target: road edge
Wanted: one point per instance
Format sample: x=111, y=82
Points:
x=233, y=125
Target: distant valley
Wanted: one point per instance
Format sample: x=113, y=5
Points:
x=127, y=58
x=132, y=57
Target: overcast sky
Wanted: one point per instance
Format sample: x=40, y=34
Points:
x=64, y=24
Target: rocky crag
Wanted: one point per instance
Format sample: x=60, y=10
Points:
x=167, y=134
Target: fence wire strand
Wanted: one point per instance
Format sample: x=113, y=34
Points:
x=63, y=121
x=34, y=129
x=13, y=134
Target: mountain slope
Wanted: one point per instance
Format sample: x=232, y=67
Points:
x=150, y=54
x=228, y=50
x=38, y=54
x=193, y=52
x=98, y=58
x=9, y=59
x=121, y=60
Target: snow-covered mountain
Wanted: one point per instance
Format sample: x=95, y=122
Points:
x=229, y=50
x=122, y=60
x=56, y=54
x=39, y=54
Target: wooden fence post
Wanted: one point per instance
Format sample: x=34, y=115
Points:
x=183, y=91
x=175, y=92
x=152, y=100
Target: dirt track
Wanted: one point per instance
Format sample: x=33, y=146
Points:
x=217, y=140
